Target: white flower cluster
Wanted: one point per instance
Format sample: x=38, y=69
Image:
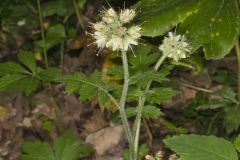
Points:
x=176, y=47
x=111, y=32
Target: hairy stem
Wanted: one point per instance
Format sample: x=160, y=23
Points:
x=238, y=60
x=141, y=101
x=123, y=101
x=43, y=35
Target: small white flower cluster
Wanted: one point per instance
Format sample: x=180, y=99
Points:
x=176, y=47
x=111, y=32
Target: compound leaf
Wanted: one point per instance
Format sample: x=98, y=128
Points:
x=37, y=151
x=67, y=147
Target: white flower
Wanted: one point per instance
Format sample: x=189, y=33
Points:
x=115, y=43
x=98, y=26
x=109, y=16
x=101, y=39
x=134, y=32
x=176, y=47
x=112, y=33
x=127, y=15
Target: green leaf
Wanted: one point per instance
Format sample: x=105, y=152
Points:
x=142, y=151
x=87, y=87
x=160, y=16
x=237, y=143
x=58, y=7
x=22, y=83
x=12, y=68
x=195, y=147
x=214, y=27
x=49, y=74
x=148, y=112
x=151, y=112
x=67, y=147
x=173, y=127
x=55, y=35
x=88, y=90
x=143, y=58
x=27, y=58
x=37, y=151
x=232, y=119
x=157, y=95
x=213, y=105
x=228, y=94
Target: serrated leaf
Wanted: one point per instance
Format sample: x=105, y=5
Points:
x=143, y=58
x=22, y=83
x=228, y=94
x=151, y=112
x=37, y=151
x=49, y=74
x=27, y=58
x=148, y=112
x=214, y=27
x=88, y=90
x=87, y=87
x=232, y=119
x=157, y=95
x=12, y=68
x=160, y=16
x=67, y=147
x=142, y=79
x=195, y=147
x=213, y=105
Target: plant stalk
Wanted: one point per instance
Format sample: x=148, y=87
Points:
x=141, y=101
x=122, y=104
x=43, y=35
x=79, y=14
x=238, y=61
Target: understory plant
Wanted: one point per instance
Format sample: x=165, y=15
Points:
x=139, y=70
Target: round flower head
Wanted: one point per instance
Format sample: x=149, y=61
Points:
x=176, y=47
x=112, y=33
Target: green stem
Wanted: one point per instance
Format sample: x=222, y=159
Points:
x=79, y=14
x=62, y=55
x=238, y=60
x=42, y=32
x=142, y=99
x=123, y=101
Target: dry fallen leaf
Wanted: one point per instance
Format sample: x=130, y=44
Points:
x=105, y=139
x=94, y=123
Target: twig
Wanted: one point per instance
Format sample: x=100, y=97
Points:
x=196, y=88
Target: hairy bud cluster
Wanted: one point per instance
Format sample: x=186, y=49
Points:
x=114, y=32
x=175, y=46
